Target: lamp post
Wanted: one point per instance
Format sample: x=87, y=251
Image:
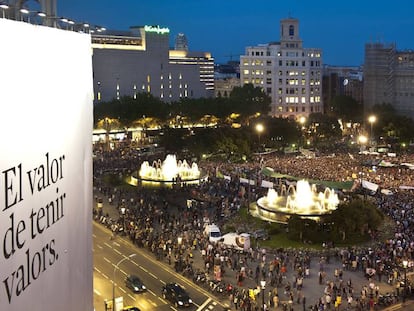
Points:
x=4, y=7
x=302, y=121
x=123, y=210
x=405, y=265
x=259, y=130
x=113, y=279
x=263, y=284
x=372, y=119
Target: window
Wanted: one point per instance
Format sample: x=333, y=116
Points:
x=291, y=30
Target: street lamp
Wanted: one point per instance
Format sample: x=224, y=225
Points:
x=113, y=279
x=4, y=7
x=259, y=130
x=405, y=265
x=263, y=284
x=123, y=210
x=372, y=119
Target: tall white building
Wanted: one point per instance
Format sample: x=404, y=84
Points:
x=290, y=74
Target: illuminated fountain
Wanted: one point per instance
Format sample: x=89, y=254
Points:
x=168, y=172
x=302, y=200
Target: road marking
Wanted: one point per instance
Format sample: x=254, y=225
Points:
x=204, y=304
x=108, y=245
x=117, y=244
x=155, y=277
x=150, y=291
x=132, y=297
x=122, y=271
x=99, y=246
x=105, y=276
x=99, y=271
x=144, y=269
x=173, y=308
x=94, y=235
x=107, y=260
x=97, y=292
x=117, y=251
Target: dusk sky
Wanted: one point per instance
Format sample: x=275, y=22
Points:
x=226, y=27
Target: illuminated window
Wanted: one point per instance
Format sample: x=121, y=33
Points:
x=162, y=95
x=303, y=100
x=180, y=76
x=162, y=86
x=169, y=76
x=162, y=77
x=148, y=79
x=312, y=99
x=246, y=71
x=99, y=96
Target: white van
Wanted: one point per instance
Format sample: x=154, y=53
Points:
x=212, y=232
x=237, y=241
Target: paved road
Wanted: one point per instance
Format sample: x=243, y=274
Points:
x=154, y=274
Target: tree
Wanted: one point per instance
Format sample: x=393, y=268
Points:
x=249, y=100
x=347, y=108
x=324, y=129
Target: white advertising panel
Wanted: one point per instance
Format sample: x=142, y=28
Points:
x=45, y=169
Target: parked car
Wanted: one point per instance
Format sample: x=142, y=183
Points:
x=261, y=234
x=130, y=308
x=176, y=294
x=134, y=283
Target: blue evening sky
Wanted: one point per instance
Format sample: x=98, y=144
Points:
x=225, y=27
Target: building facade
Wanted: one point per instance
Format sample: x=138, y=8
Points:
x=341, y=80
x=389, y=78
x=290, y=74
x=140, y=60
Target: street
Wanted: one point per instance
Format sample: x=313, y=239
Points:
x=154, y=274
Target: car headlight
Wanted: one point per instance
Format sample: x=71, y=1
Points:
x=190, y=301
x=136, y=288
x=180, y=303
x=143, y=287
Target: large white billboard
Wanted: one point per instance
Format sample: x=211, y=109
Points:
x=45, y=168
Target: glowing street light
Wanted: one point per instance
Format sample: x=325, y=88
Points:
x=113, y=279
x=372, y=119
x=259, y=129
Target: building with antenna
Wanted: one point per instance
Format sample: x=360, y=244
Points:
x=389, y=78
x=290, y=74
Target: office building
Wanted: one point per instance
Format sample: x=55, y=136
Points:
x=290, y=74
x=126, y=63
x=339, y=81
x=389, y=78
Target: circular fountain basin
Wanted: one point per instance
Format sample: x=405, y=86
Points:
x=302, y=200
x=167, y=173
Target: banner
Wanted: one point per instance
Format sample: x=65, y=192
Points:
x=46, y=168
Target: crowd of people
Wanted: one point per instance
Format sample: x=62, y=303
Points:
x=159, y=221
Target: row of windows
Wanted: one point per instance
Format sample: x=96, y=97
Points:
x=400, y=94
x=303, y=82
x=287, y=53
x=293, y=109
x=288, y=63
x=288, y=73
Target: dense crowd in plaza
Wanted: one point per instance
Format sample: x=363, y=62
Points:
x=175, y=234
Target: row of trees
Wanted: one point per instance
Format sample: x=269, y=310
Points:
x=246, y=106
